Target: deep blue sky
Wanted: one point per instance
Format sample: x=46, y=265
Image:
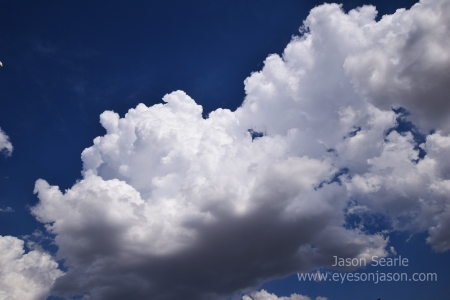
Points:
x=65, y=62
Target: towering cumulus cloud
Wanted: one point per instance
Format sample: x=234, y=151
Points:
x=175, y=206
x=5, y=144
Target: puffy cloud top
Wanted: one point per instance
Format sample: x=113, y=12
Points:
x=172, y=205
x=264, y=295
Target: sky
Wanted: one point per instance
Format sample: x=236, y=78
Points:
x=221, y=149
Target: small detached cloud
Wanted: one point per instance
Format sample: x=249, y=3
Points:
x=7, y=209
x=25, y=276
x=5, y=145
x=175, y=206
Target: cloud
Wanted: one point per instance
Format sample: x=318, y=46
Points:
x=264, y=295
x=25, y=276
x=172, y=205
x=167, y=192
x=403, y=61
x=8, y=209
x=5, y=145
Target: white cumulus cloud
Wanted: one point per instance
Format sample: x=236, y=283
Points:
x=166, y=186
x=25, y=276
x=172, y=205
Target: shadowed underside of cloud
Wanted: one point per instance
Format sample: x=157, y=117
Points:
x=172, y=205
